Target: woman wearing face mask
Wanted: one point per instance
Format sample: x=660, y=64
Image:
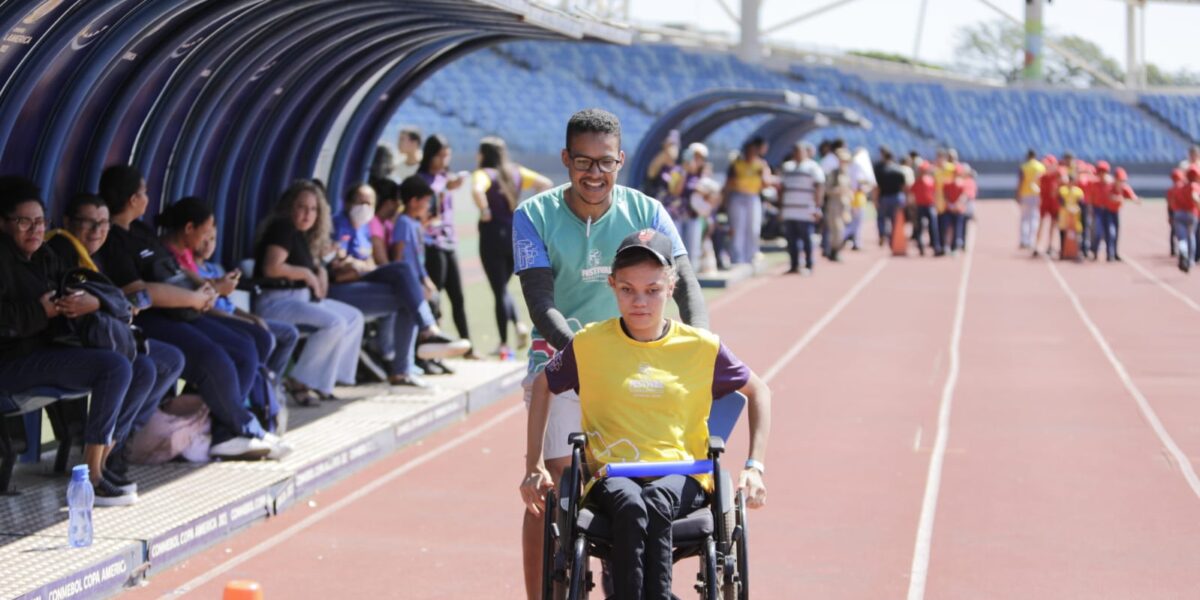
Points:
x=441, y=241
x=391, y=291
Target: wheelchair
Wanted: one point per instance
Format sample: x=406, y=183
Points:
x=717, y=533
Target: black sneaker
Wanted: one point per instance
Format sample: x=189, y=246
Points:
x=119, y=481
x=108, y=494
x=441, y=365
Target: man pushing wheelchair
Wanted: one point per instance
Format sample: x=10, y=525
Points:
x=646, y=388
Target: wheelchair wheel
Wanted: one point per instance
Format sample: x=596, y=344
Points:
x=579, y=570
x=743, y=551
x=712, y=578
x=549, y=548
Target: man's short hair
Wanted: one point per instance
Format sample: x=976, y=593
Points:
x=593, y=120
x=413, y=187
x=411, y=133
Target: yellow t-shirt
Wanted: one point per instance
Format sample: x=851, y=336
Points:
x=1031, y=173
x=1070, y=195
x=483, y=182
x=747, y=176
x=945, y=173
x=646, y=401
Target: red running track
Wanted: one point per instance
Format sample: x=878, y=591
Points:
x=1049, y=480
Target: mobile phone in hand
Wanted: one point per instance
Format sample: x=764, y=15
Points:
x=139, y=299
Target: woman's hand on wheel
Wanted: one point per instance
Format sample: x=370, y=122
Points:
x=751, y=482
x=534, y=487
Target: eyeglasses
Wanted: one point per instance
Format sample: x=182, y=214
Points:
x=606, y=164
x=92, y=224
x=26, y=223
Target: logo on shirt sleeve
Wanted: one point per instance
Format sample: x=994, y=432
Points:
x=526, y=254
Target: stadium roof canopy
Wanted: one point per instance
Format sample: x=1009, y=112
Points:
x=230, y=100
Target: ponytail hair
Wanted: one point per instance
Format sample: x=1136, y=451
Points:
x=493, y=154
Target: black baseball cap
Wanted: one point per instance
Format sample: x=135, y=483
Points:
x=648, y=240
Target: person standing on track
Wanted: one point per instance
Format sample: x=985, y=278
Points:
x=409, y=145
x=496, y=186
x=889, y=193
x=748, y=175
x=564, y=240
x=1048, y=210
x=1117, y=195
x=1070, y=196
x=803, y=181
x=1187, y=210
x=1178, y=185
x=1028, y=198
x=926, y=215
x=838, y=192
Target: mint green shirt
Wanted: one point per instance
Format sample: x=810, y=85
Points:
x=546, y=234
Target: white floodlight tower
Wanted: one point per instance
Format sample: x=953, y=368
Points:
x=750, y=44
x=1034, y=29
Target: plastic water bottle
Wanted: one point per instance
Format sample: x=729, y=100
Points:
x=80, y=499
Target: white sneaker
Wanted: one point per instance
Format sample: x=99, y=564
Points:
x=279, y=447
x=240, y=448
x=438, y=346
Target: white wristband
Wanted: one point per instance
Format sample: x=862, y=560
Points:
x=754, y=464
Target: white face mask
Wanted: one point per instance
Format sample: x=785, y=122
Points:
x=360, y=214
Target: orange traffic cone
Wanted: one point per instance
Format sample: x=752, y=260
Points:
x=241, y=589
x=899, y=237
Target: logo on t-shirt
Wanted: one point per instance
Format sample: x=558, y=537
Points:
x=596, y=270
x=526, y=253
x=645, y=384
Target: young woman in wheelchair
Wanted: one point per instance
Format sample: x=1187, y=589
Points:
x=646, y=385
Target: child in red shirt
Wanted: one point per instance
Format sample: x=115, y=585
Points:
x=1187, y=208
x=1178, y=182
x=1048, y=210
x=1108, y=212
x=924, y=197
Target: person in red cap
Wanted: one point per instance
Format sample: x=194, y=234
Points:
x=1187, y=209
x=1048, y=210
x=925, y=200
x=1117, y=193
x=1178, y=185
x=955, y=192
x=1095, y=200
x=1088, y=178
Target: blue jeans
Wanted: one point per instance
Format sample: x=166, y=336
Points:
x=1105, y=231
x=103, y=372
x=331, y=353
x=220, y=361
x=799, y=237
x=745, y=221
x=286, y=337
x=1087, y=215
x=691, y=229
x=160, y=369
x=1184, y=223
x=394, y=293
x=927, y=217
x=888, y=205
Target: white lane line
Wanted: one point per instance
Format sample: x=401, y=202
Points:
x=1181, y=459
x=1170, y=289
x=917, y=440
x=824, y=320
x=329, y=510
x=933, y=482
